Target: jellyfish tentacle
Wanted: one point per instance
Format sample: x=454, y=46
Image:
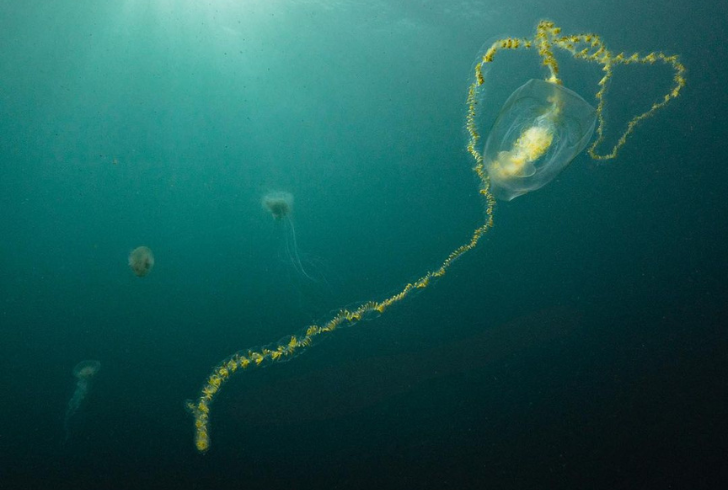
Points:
x=73, y=404
x=293, y=247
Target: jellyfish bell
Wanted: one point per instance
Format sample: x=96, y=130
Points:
x=278, y=203
x=86, y=369
x=141, y=261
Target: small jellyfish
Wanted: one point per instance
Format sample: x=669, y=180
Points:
x=280, y=205
x=141, y=261
x=84, y=372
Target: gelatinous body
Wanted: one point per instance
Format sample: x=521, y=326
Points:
x=540, y=129
x=84, y=373
x=280, y=205
x=141, y=261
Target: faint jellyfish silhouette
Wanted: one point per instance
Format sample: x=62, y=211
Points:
x=141, y=261
x=84, y=372
x=280, y=205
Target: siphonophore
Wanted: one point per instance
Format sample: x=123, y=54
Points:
x=542, y=126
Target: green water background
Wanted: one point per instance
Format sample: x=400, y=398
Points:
x=164, y=123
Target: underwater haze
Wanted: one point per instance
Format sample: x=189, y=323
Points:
x=188, y=183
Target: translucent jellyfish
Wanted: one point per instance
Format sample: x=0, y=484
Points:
x=141, y=261
x=280, y=205
x=84, y=373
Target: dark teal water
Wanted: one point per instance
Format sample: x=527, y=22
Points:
x=582, y=344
